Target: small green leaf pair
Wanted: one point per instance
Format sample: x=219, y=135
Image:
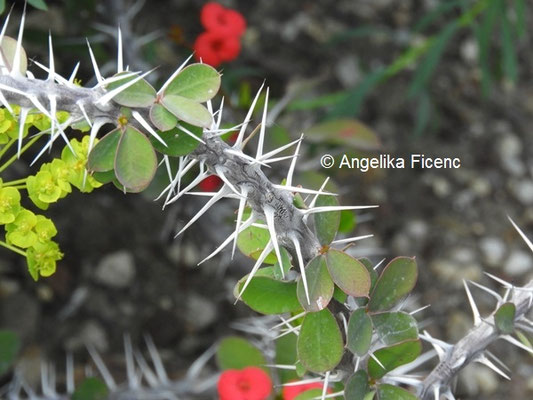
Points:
x=358, y=388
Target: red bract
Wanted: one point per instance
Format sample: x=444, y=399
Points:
x=291, y=392
x=213, y=48
x=210, y=184
x=216, y=18
x=251, y=383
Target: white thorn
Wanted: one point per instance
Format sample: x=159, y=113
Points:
x=84, y=113
x=240, y=212
x=70, y=373
x=293, y=162
x=120, y=59
x=419, y=309
x=262, y=256
x=335, y=208
x=188, y=132
x=285, y=321
x=301, y=190
x=56, y=76
x=156, y=360
x=499, y=280
x=517, y=343
x=22, y=119
x=489, y=291
x=351, y=239
x=315, y=198
x=219, y=117
x=171, y=78
x=303, y=382
x=133, y=381
x=244, y=225
x=100, y=365
x=51, y=69
x=301, y=264
x=112, y=93
x=475, y=311
x=15, y=71
x=269, y=216
x=240, y=154
x=482, y=359
x=240, y=136
x=220, y=194
x=279, y=150
x=94, y=131
x=97, y=73
x=73, y=74
x=175, y=184
x=221, y=175
x=137, y=116
x=194, y=182
x=528, y=242
x=325, y=387
x=276, y=159
x=53, y=110
x=376, y=360
x=436, y=392
x=263, y=128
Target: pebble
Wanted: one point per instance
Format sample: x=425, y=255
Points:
x=469, y=50
x=347, y=71
x=116, y=270
x=518, y=263
x=90, y=333
x=477, y=380
x=523, y=191
x=454, y=272
x=199, y=312
x=509, y=148
x=493, y=250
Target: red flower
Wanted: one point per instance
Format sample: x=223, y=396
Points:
x=214, y=48
x=210, y=184
x=216, y=18
x=251, y=383
x=291, y=392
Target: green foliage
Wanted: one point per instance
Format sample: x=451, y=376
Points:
x=504, y=318
x=359, y=335
x=320, y=346
x=319, y=284
x=348, y=273
x=357, y=386
x=327, y=223
x=392, y=357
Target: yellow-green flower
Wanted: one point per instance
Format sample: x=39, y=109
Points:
x=78, y=176
x=20, y=231
x=44, y=187
x=45, y=229
x=42, y=258
x=9, y=204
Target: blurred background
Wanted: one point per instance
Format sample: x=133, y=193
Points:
x=446, y=78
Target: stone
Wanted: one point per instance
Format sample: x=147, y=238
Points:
x=523, y=191
x=493, y=250
x=519, y=262
x=116, y=270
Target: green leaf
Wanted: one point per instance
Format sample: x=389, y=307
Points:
x=394, y=327
x=320, y=345
x=8, y=47
x=178, y=142
x=357, y=386
x=348, y=273
x=102, y=156
x=372, y=272
x=253, y=240
x=319, y=284
x=139, y=94
x=286, y=355
x=504, y=318
x=339, y=295
x=391, y=392
x=269, y=296
x=197, y=82
x=392, y=357
x=344, y=132
x=162, y=119
x=509, y=56
x=135, y=161
x=9, y=348
x=396, y=281
x=327, y=223
x=2, y=6
x=40, y=4
x=91, y=389
x=348, y=221
x=359, y=332
x=105, y=177
x=285, y=264
x=237, y=353
x=187, y=110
